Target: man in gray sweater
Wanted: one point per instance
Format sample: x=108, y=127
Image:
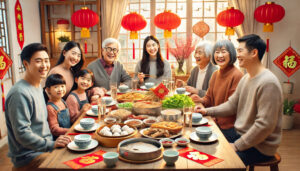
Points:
x=28, y=131
x=107, y=69
x=257, y=101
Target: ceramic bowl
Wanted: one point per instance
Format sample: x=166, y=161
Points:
x=95, y=109
x=123, y=88
x=171, y=115
x=82, y=140
x=182, y=141
x=110, y=120
x=167, y=142
x=110, y=158
x=107, y=100
x=180, y=90
x=149, y=121
x=87, y=123
x=149, y=85
x=170, y=157
x=134, y=122
x=196, y=117
x=203, y=132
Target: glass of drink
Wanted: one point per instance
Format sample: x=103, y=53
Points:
x=134, y=84
x=187, y=115
x=113, y=90
x=102, y=110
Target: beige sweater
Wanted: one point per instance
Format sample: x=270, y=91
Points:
x=258, y=104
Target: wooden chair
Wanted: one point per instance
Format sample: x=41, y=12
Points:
x=273, y=163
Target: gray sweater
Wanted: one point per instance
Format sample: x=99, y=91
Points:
x=258, y=104
x=102, y=79
x=192, y=81
x=167, y=71
x=27, y=126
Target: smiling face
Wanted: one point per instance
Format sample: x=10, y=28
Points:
x=39, y=66
x=201, y=59
x=72, y=56
x=57, y=91
x=244, y=56
x=84, y=82
x=152, y=48
x=222, y=57
x=110, y=52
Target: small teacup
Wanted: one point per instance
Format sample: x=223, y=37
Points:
x=123, y=88
x=83, y=140
x=110, y=158
x=180, y=90
x=196, y=117
x=107, y=100
x=87, y=123
x=149, y=85
x=95, y=109
x=203, y=132
x=170, y=156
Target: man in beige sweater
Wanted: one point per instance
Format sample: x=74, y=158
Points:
x=258, y=103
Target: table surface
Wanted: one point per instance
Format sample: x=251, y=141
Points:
x=220, y=149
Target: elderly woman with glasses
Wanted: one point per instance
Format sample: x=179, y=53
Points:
x=107, y=69
x=201, y=74
x=223, y=82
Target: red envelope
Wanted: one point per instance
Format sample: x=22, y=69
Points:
x=86, y=160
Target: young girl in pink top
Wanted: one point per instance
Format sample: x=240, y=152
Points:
x=78, y=100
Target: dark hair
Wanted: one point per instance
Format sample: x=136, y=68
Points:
x=229, y=47
x=70, y=45
x=145, y=68
x=82, y=73
x=253, y=41
x=54, y=79
x=29, y=50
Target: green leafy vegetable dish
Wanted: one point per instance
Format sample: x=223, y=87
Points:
x=126, y=105
x=177, y=101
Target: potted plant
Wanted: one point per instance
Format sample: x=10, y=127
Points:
x=288, y=114
x=63, y=41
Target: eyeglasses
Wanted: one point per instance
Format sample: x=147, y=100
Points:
x=109, y=49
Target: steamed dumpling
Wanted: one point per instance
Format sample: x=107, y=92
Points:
x=115, y=126
x=125, y=127
x=107, y=133
x=116, y=134
x=124, y=133
x=106, y=128
x=116, y=130
x=130, y=130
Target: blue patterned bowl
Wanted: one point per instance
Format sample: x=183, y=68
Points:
x=82, y=140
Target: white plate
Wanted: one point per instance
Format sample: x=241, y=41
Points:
x=186, y=93
x=74, y=147
x=91, y=113
x=202, y=122
x=212, y=138
x=80, y=129
x=118, y=91
x=143, y=87
x=112, y=103
x=174, y=136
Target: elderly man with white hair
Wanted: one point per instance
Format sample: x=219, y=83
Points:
x=201, y=74
x=107, y=69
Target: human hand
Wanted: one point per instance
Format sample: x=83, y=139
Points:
x=62, y=141
x=196, y=98
x=95, y=98
x=233, y=146
x=141, y=77
x=85, y=108
x=200, y=109
x=191, y=89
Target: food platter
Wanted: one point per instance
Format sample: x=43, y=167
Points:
x=158, y=138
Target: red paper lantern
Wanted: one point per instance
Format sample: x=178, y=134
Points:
x=268, y=14
x=63, y=24
x=85, y=18
x=230, y=18
x=201, y=29
x=133, y=22
x=167, y=21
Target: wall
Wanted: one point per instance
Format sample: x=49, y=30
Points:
x=32, y=33
x=285, y=32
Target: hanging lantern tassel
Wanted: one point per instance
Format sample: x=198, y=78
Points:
x=167, y=53
x=133, y=53
x=268, y=27
x=85, y=47
x=3, y=97
x=229, y=31
x=85, y=32
x=167, y=33
x=268, y=44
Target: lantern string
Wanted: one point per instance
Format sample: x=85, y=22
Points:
x=290, y=43
x=166, y=3
x=133, y=53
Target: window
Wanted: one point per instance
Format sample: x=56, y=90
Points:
x=4, y=42
x=205, y=10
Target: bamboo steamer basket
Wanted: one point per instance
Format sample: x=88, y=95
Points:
x=107, y=141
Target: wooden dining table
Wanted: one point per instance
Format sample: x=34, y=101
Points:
x=220, y=149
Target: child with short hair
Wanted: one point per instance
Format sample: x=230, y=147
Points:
x=58, y=112
x=78, y=100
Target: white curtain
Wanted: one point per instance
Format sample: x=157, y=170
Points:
x=112, y=12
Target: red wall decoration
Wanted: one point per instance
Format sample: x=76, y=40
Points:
x=19, y=24
x=288, y=61
x=5, y=63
